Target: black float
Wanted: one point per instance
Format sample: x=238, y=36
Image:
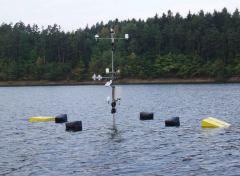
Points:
x=146, y=116
x=174, y=121
x=62, y=118
x=74, y=126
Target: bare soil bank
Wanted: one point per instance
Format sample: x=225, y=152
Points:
x=121, y=81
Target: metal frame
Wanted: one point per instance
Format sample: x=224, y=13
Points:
x=113, y=73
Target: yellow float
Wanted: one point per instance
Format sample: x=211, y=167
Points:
x=211, y=122
x=41, y=119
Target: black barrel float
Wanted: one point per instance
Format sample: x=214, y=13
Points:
x=74, y=126
x=174, y=121
x=113, y=111
x=146, y=116
x=62, y=118
x=113, y=104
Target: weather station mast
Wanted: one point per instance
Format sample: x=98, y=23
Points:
x=112, y=75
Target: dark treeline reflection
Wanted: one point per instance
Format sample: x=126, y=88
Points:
x=198, y=45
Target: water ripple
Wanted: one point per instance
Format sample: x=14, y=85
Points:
x=132, y=147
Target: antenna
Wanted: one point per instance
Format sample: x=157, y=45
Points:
x=113, y=73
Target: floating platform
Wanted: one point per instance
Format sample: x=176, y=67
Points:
x=41, y=119
x=211, y=122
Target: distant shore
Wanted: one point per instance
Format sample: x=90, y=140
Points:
x=120, y=81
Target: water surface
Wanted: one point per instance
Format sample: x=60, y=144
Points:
x=135, y=147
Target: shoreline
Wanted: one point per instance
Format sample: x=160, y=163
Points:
x=121, y=81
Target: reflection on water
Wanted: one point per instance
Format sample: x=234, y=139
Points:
x=122, y=145
x=115, y=134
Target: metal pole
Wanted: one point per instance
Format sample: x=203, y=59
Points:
x=113, y=93
x=112, y=40
x=113, y=87
x=112, y=64
x=114, y=123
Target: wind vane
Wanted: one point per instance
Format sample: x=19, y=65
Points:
x=113, y=73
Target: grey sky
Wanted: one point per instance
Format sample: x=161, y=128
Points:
x=73, y=14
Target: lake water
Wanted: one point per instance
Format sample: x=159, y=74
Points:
x=136, y=147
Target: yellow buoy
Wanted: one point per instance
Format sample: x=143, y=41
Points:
x=211, y=122
x=41, y=119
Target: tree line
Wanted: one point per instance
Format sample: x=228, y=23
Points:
x=166, y=46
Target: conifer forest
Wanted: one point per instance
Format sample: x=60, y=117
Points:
x=205, y=45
